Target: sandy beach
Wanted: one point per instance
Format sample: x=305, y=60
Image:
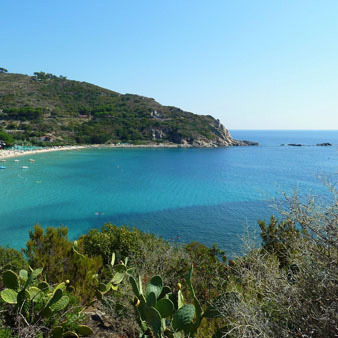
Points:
x=11, y=153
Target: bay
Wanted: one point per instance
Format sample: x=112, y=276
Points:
x=205, y=195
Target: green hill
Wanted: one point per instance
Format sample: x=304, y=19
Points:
x=48, y=110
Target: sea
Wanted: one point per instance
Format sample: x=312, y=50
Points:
x=183, y=195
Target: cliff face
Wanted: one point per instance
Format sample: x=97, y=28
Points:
x=222, y=138
x=46, y=109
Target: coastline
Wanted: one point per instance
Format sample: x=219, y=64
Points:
x=11, y=153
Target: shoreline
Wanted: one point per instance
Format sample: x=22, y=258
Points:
x=11, y=153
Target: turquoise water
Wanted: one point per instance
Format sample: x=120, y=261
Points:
x=207, y=195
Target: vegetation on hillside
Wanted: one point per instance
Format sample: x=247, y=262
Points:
x=6, y=140
x=45, y=109
x=286, y=286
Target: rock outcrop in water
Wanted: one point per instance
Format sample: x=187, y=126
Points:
x=325, y=144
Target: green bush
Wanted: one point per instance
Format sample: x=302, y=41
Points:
x=52, y=251
x=279, y=239
x=13, y=258
x=7, y=138
x=123, y=241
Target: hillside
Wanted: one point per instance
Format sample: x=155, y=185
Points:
x=48, y=110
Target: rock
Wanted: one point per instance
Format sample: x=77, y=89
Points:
x=220, y=137
x=325, y=144
x=248, y=143
x=158, y=134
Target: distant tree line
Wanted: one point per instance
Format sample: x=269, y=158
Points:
x=23, y=113
x=46, y=76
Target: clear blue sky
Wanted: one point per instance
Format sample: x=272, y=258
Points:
x=253, y=64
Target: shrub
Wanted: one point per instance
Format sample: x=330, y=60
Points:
x=15, y=259
x=210, y=270
x=123, y=241
x=52, y=251
x=288, y=287
x=279, y=238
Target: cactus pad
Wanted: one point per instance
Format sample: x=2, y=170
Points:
x=35, y=294
x=55, y=297
x=10, y=279
x=23, y=275
x=112, y=262
x=134, y=286
x=118, y=278
x=57, y=332
x=36, y=272
x=155, y=285
x=151, y=299
x=153, y=319
x=165, y=307
x=165, y=291
x=70, y=334
x=24, y=300
x=183, y=317
x=84, y=330
x=9, y=296
x=43, y=286
x=120, y=268
x=60, y=304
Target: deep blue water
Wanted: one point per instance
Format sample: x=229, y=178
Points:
x=206, y=195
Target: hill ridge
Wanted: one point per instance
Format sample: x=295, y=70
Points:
x=46, y=109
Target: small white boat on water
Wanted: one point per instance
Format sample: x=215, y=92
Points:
x=2, y=167
x=2, y=160
x=24, y=167
x=31, y=160
x=16, y=160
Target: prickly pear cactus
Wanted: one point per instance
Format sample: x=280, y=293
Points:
x=163, y=312
x=36, y=300
x=119, y=272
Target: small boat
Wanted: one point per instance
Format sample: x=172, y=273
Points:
x=24, y=167
x=31, y=160
x=16, y=160
x=2, y=160
x=2, y=167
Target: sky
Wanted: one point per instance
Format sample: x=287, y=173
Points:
x=252, y=64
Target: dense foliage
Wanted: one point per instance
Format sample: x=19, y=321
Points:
x=6, y=139
x=49, y=110
x=284, y=287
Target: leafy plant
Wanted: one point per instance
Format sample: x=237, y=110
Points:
x=163, y=312
x=35, y=301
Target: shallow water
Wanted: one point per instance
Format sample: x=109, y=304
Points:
x=206, y=195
